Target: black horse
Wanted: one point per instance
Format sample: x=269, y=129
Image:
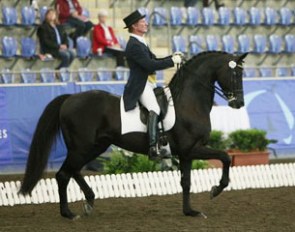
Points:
x=90, y=123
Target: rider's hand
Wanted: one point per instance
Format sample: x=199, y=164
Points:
x=178, y=53
x=176, y=58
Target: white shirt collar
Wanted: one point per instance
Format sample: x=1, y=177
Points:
x=139, y=38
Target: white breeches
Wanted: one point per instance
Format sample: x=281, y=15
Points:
x=148, y=98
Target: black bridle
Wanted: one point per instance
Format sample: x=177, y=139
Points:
x=226, y=95
x=229, y=95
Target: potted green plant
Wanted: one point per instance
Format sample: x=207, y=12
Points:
x=249, y=147
x=217, y=140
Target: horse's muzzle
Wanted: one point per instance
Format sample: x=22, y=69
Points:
x=236, y=102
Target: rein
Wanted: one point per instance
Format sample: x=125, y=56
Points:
x=228, y=96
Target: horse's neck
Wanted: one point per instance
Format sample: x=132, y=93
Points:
x=197, y=95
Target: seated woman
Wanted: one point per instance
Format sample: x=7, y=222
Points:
x=105, y=41
x=53, y=40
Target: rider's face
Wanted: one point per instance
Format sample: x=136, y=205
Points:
x=141, y=26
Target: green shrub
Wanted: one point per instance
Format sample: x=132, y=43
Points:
x=249, y=140
x=122, y=161
x=217, y=140
x=200, y=164
x=142, y=163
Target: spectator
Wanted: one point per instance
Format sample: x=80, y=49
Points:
x=188, y=3
x=104, y=39
x=70, y=12
x=53, y=40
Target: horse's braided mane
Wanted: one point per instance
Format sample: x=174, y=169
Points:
x=176, y=83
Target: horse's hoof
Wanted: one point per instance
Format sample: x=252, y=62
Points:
x=76, y=217
x=215, y=191
x=194, y=213
x=87, y=209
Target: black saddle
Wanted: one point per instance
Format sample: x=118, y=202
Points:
x=163, y=103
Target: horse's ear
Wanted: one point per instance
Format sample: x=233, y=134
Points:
x=242, y=57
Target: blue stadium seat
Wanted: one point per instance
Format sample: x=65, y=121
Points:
x=160, y=16
x=282, y=72
x=85, y=12
x=85, y=75
x=65, y=75
x=285, y=16
x=249, y=72
x=265, y=72
x=122, y=73
x=70, y=42
x=42, y=13
x=159, y=74
x=275, y=42
x=212, y=43
x=83, y=47
x=259, y=44
x=28, y=16
x=196, y=44
x=7, y=76
x=145, y=11
x=28, y=47
x=9, y=47
x=175, y=16
x=104, y=74
x=240, y=16
x=122, y=42
x=290, y=43
x=193, y=15
x=178, y=44
x=270, y=18
x=224, y=16
x=47, y=75
x=255, y=16
x=228, y=43
x=9, y=16
x=207, y=16
x=28, y=76
x=244, y=43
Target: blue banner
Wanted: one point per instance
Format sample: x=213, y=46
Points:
x=5, y=133
x=269, y=103
x=271, y=107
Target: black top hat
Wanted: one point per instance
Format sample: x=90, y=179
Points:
x=132, y=18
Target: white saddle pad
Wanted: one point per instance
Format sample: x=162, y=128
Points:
x=130, y=120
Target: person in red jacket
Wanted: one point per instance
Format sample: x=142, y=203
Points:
x=70, y=12
x=105, y=41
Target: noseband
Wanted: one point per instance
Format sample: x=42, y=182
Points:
x=230, y=95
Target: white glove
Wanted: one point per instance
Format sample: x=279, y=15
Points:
x=176, y=59
x=178, y=53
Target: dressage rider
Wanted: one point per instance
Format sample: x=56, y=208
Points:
x=142, y=80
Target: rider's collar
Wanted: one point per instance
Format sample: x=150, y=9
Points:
x=139, y=38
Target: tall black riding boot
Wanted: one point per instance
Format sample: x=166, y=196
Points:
x=153, y=134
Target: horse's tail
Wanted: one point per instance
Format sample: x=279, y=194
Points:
x=46, y=131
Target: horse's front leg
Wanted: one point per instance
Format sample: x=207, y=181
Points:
x=205, y=153
x=185, y=169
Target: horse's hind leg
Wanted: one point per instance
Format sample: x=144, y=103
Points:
x=63, y=177
x=71, y=168
x=89, y=194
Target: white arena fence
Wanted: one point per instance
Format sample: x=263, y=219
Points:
x=152, y=183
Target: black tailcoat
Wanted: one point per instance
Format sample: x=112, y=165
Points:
x=142, y=62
